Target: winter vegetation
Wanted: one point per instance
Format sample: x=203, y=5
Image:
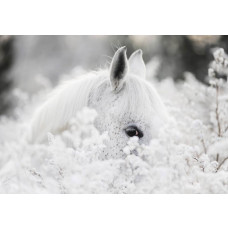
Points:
x=189, y=155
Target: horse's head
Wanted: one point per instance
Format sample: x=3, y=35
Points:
x=126, y=103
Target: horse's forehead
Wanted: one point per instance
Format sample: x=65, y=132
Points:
x=131, y=100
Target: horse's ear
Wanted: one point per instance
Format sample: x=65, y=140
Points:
x=136, y=64
x=119, y=69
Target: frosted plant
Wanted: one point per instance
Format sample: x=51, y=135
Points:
x=218, y=73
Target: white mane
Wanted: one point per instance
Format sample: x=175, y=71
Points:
x=61, y=105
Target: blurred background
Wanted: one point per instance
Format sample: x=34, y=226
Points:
x=24, y=59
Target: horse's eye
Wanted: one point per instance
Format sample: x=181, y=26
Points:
x=133, y=131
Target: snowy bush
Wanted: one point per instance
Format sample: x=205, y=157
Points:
x=190, y=155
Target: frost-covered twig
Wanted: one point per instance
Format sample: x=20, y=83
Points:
x=204, y=146
x=222, y=163
x=217, y=110
x=225, y=129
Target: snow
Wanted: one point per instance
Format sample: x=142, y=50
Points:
x=188, y=157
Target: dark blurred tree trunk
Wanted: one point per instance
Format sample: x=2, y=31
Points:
x=189, y=53
x=6, y=57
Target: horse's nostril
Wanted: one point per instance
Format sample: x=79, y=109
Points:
x=132, y=131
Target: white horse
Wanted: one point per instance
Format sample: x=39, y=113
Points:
x=127, y=105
